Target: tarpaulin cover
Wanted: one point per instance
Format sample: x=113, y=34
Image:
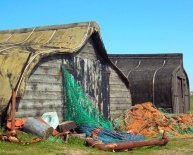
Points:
x=16, y=45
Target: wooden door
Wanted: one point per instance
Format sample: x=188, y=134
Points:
x=181, y=97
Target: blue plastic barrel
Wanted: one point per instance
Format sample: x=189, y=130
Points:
x=38, y=128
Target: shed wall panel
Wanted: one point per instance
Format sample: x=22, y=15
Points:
x=120, y=97
x=44, y=89
x=159, y=78
x=91, y=72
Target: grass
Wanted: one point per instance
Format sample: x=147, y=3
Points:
x=75, y=146
x=191, y=104
x=177, y=146
x=45, y=147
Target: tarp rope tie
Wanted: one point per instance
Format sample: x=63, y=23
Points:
x=21, y=41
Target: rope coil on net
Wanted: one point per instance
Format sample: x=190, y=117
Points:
x=78, y=106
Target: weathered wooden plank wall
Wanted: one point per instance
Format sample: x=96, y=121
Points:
x=159, y=78
x=120, y=97
x=180, y=90
x=44, y=90
x=91, y=72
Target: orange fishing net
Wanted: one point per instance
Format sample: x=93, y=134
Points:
x=145, y=119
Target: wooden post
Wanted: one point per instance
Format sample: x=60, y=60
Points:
x=13, y=103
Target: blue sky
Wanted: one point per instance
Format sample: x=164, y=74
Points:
x=127, y=26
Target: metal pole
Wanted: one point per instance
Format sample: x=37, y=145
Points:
x=13, y=103
x=128, y=145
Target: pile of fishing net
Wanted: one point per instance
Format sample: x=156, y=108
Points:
x=107, y=135
x=79, y=108
x=140, y=119
x=149, y=121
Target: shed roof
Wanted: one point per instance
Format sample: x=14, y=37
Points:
x=22, y=49
x=129, y=63
x=68, y=36
x=149, y=75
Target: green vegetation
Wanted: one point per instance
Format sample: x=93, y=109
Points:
x=191, y=104
x=180, y=146
x=75, y=146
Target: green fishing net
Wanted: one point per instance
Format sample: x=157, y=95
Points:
x=78, y=106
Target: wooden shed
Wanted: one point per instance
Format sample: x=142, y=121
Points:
x=159, y=78
x=31, y=62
